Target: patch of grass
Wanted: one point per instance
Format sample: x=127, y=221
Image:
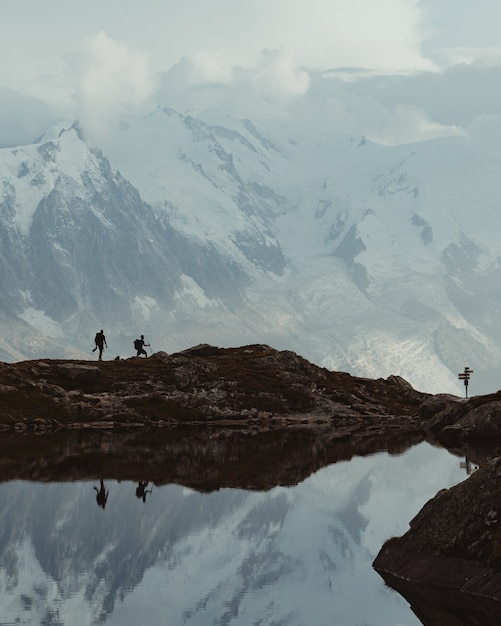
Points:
x=262, y=402
x=19, y=405
x=298, y=398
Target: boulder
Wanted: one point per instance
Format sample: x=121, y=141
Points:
x=78, y=372
x=455, y=540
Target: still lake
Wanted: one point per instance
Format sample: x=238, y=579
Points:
x=169, y=555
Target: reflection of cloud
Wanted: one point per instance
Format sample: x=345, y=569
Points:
x=22, y=118
x=110, y=79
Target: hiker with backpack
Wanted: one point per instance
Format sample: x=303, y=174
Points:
x=139, y=346
x=100, y=341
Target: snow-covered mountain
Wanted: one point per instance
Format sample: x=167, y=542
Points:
x=81, y=250
x=204, y=227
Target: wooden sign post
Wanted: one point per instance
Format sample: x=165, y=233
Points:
x=465, y=377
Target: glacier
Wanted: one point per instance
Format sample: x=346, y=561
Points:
x=203, y=227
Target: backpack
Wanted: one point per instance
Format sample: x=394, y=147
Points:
x=138, y=344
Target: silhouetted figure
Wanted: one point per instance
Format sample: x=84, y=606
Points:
x=101, y=495
x=141, y=490
x=100, y=341
x=139, y=346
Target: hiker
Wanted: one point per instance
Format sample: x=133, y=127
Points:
x=100, y=341
x=139, y=346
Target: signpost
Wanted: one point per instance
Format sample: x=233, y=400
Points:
x=465, y=377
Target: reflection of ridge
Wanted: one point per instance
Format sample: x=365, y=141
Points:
x=350, y=516
x=202, y=459
x=444, y=606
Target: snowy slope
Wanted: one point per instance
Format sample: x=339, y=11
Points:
x=204, y=227
x=395, y=245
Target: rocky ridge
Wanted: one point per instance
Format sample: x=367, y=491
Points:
x=253, y=385
x=249, y=417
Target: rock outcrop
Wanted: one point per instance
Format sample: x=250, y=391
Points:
x=453, y=421
x=451, y=556
x=203, y=385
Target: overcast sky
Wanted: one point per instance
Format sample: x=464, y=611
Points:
x=435, y=64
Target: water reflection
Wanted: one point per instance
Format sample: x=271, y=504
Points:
x=469, y=466
x=141, y=490
x=101, y=494
x=442, y=606
x=172, y=555
x=205, y=459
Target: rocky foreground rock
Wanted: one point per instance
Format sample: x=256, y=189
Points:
x=448, y=565
x=254, y=385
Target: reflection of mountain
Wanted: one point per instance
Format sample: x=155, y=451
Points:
x=287, y=556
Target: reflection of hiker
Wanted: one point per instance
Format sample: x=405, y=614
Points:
x=100, y=341
x=139, y=346
x=102, y=494
x=141, y=490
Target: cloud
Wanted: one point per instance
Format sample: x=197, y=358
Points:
x=198, y=80
x=452, y=97
x=109, y=80
x=384, y=35
x=275, y=77
x=339, y=108
x=337, y=105
x=454, y=24
x=198, y=70
x=485, y=56
x=485, y=131
x=408, y=124
x=235, y=54
x=22, y=118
